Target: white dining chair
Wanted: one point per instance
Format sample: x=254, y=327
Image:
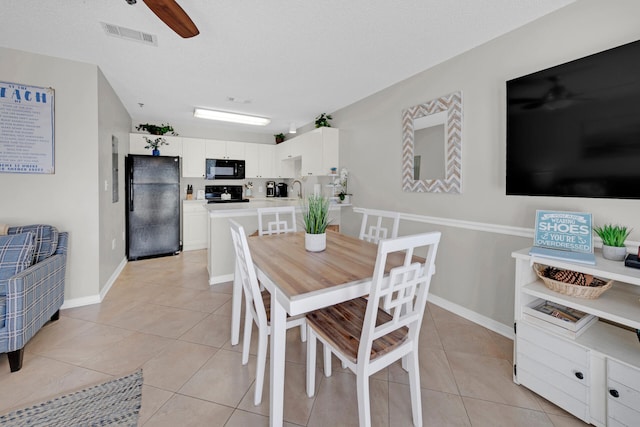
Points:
x=257, y=307
x=277, y=220
x=369, y=335
x=375, y=225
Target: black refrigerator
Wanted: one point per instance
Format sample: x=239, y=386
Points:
x=153, y=206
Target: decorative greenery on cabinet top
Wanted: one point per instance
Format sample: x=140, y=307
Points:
x=157, y=129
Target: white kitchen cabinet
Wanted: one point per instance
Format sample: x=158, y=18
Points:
x=285, y=169
x=595, y=376
x=193, y=157
x=285, y=157
x=260, y=160
x=217, y=149
x=137, y=142
x=194, y=225
x=311, y=146
x=317, y=151
x=289, y=149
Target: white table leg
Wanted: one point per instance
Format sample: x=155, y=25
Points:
x=278, y=346
x=236, y=307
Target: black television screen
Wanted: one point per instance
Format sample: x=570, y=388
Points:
x=574, y=130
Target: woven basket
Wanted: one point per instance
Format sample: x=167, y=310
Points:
x=578, y=291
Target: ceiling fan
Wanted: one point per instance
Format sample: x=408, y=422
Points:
x=173, y=15
x=557, y=96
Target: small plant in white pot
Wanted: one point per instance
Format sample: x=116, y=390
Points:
x=613, y=238
x=316, y=219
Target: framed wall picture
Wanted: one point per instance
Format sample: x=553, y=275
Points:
x=26, y=129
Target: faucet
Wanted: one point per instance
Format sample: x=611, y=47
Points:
x=299, y=192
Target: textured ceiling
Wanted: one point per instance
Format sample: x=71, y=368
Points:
x=293, y=59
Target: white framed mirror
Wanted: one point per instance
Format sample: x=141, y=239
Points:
x=432, y=146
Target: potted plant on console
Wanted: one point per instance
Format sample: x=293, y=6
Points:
x=156, y=130
x=316, y=219
x=613, y=238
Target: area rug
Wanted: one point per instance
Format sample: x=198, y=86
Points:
x=116, y=402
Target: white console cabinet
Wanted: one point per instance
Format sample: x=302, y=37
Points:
x=595, y=376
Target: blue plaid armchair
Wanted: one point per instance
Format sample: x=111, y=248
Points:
x=33, y=262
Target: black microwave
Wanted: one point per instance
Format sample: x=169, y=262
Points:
x=224, y=169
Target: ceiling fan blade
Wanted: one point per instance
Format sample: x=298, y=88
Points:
x=174, y=16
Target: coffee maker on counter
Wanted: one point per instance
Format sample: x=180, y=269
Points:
x=271, y=188
x=281, y=189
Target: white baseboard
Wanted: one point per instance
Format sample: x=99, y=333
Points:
x=96, y=299
x=214, y=280
x=472, y=316
x=79, y=302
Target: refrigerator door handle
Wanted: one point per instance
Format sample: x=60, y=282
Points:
x=130, y=194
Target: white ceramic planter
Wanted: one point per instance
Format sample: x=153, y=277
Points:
x=315, y=242
x=614, y=253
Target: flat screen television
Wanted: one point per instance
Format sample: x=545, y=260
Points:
x=573, y=130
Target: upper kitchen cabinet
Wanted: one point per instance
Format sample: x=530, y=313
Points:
x=260, y=160
x=319, y=151
x=137, y=142
x=216, y=149
x=193, y=157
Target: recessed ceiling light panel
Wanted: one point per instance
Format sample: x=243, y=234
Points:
x=224, y=116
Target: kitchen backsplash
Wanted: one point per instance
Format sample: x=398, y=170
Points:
x=259, y=183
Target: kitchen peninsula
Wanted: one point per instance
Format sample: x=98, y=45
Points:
x=220, y=256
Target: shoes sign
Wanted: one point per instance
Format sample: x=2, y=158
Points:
x=564, y=235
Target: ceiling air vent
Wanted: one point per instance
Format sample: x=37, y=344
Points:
x=129, y=34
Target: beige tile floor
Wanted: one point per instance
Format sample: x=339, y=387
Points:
x=162, y=315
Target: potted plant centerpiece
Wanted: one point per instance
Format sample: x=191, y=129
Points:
x=156, y=130
x=316, y=219
x=613, y=237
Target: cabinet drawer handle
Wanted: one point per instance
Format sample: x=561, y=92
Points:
x=579, y=375
x=613, y=392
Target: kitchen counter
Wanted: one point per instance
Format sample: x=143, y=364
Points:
x=220, y=254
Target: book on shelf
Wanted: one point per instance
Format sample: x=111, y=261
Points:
x=562, y=319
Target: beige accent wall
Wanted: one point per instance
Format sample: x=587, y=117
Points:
x=68, y=199
x=474, y=268
x=113, y=120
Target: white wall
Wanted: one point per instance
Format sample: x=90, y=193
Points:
x=67, y=199
x=474, y=268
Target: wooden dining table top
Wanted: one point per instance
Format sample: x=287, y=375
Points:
x=284, y=259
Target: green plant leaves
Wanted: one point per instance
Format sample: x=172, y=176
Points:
x=612, y=235
x=316, y=215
